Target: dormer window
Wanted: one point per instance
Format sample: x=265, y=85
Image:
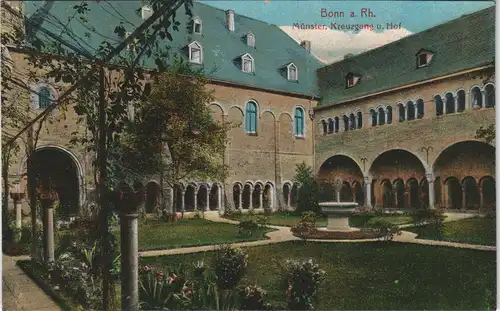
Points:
x=197, y=25
x=146, y=12
x=292, y=73
x=247, y=63
x=250, y=39
x=424, y=58
x=351, y=80
x=195, y=53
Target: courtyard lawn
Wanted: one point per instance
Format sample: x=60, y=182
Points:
x=471, y=230
x=154, y=235
x=375, y=276
x=289, y=219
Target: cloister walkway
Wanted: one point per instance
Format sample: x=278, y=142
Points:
x=284, y=234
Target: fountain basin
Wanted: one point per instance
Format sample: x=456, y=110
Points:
x=338, y=215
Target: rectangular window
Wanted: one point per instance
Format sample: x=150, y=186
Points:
x=293, y=74
x=247, y=65
x=196, y=55
x=422, y=60
x=197, y=28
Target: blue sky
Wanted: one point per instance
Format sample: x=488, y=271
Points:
x=329, y=46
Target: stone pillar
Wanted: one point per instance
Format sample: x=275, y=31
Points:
x=416, y=110
x=368, y=193
x=18, y=197
x=261, y=198
x=250, y=199
x=183, y=206
x=47, y=200
x=240, y=199
x=406, y=112
x=455, y=99
x=481, y=198
x=127, y=202
x=483, y=96
x=207, y=208
x=430, y=181
x=464, y=198
x=195, y=195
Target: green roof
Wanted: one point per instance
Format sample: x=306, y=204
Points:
x=464, y=43
x=273, y=50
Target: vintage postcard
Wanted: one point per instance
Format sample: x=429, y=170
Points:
x=248, y=155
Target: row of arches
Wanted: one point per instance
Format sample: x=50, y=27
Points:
x=462, y=177
x=480, y=97
x=262, y=196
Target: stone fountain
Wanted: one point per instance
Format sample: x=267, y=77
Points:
x=338, y=212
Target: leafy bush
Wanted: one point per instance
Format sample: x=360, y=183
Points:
x=301, y=280
x=229, y=266
x=309, y=217
x=384, y=227
x=308, y=191
x=247, y=227
x=252, y=298
x=196, y=214
x=262, y=220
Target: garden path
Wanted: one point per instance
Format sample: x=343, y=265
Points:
x=284, y=234
x=19, y=292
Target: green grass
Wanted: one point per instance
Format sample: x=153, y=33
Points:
x=289, y=220
x=471, y=230
x=154, y=235
x=375, y=276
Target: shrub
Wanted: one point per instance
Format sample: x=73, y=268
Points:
x=309, y=217
x=301, y=282
x=308, y=192
x=252, y=298
x=262, y=220
x=229, y=266
x=196, y=214
x=247, y=227
x=383, y=227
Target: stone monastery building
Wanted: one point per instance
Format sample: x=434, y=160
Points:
x=394, y=126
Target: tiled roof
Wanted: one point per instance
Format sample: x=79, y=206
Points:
x=221, y=48
x=464, y=43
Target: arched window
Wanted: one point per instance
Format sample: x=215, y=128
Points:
x=44, y=97
x=346, y=122
x=360, y=119
x=461, y=100
x=337, y=124
x=389, y=114
x=373, y=115
x=352, y=122
x=450, y=103
x=331, y=126
x=410, y=106
x=476, y=98
x=251, y=118
x=401, y=110
x=325, y=126
x=439, y=105
x=381, y=116
x=420, y=109
x=489, y=91
x=299, y=122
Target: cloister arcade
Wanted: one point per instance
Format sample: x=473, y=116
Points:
x=461, y=178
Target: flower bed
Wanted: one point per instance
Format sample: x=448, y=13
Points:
x=329, y=235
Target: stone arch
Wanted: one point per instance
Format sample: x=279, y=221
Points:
x=359, y=119
x=401, y=112
x=237, y=195
x=389, y=115
x=487, y=185
x=489, y=95
x=438, y=101
x=413, y=191
x=453, y=193
x=449, y=103
x=69, y=180
x=287, y=190
x=268, y=196
x=420, y=108
x=257, y=195
x=235, y=116
x=190, y=197
x=267, y=110
x=247, y=196
x=424, y=193
x=358, y=192
x=202, y=196
x=381, y=115
x=215, y=197
x=460, y=100
x=410, y=108
x=396, y=164
x=153, y=194
x=340, y=165
x=476, y=97
x=387, y=195
x=178, y=197
x=217, y=111
x=471, y=193
x=331, y=126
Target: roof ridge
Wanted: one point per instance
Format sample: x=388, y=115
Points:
x=409, y=36
x=238, y=14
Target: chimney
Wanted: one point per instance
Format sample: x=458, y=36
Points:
x=348, y=55
x=230, y=20
x=306, y=45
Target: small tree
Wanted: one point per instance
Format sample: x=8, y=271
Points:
x=308, y=191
